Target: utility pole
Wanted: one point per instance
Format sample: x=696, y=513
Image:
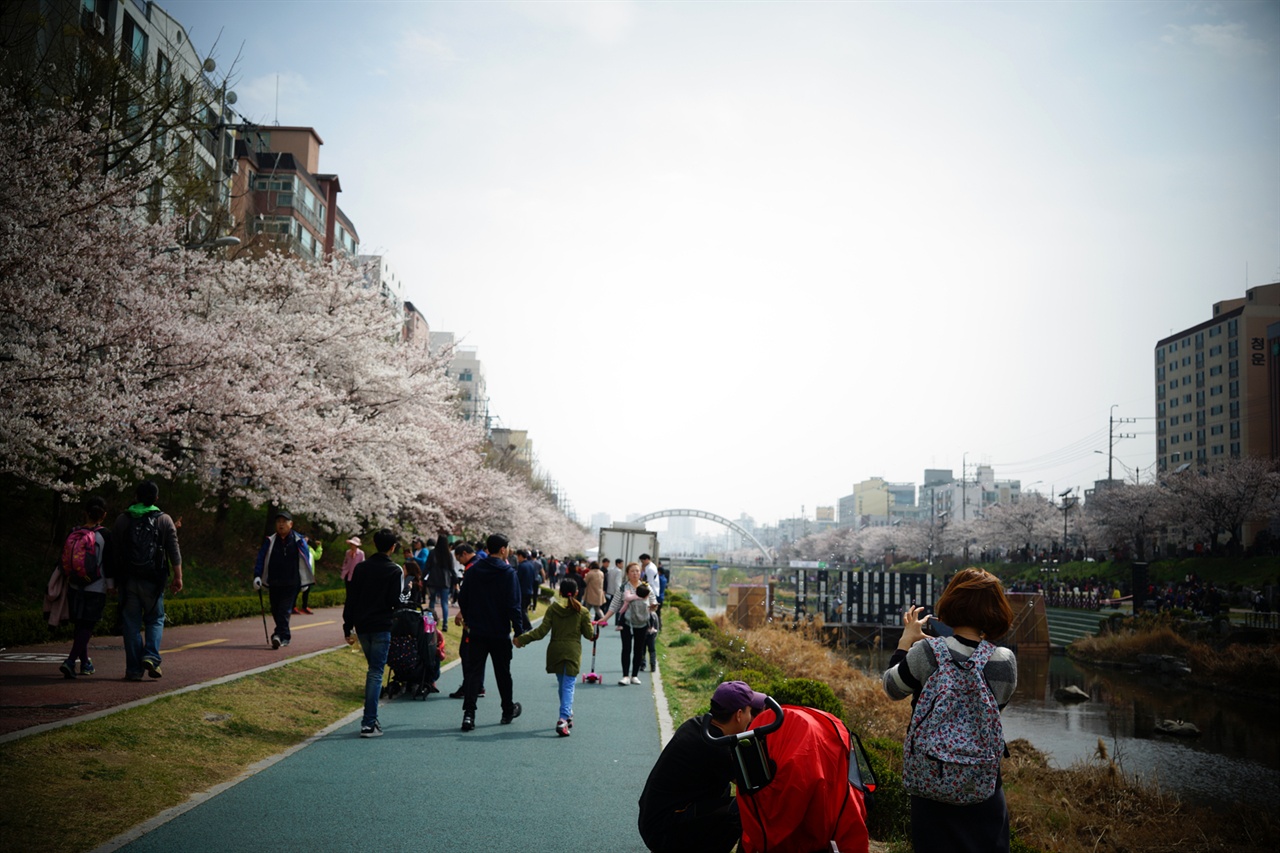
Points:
x=964, y=483
x=1112, y=438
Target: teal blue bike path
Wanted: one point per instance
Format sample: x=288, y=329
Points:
x=425, y=785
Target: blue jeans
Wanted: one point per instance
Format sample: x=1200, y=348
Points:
x=442, y=593
x=375, y=644
x=141, y=608
x=567, y=683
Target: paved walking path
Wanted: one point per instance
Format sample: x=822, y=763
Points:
x=35, y=696
x=423, y=785
x=427, y=785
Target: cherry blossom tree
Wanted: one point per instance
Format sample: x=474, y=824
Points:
x=266, y=379
x=1219, y=501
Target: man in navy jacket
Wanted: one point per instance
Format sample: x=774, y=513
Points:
x=490, y=605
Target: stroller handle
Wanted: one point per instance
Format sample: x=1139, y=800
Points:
x=770, y=703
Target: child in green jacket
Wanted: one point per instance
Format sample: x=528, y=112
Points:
x=568, y=622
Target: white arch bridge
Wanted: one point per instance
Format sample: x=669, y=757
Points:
x=708, y=516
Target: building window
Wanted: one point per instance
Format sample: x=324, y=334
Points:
x=1186, y=419
x=1235, y=410
x=1233, y=369
x=1215, y=390
x=1233, y=349
x=1186, y=398
x=1215, y=350
x=1160, y=373
x=1173, y=383
x=1160, y=356
x=1173, y=404
x=1200, y=399
x=1217, y=450
x=1200, y=454
x=1235, y=429
x=1233, y=327
x=1186, y=361
x=133, y=45
x=1235, y=389
x=1216, y=370
x=284, y=199
x=464, y=376
x=1216, y=429
x=1199, y=340
x=1215, y=331
x=1187, y=436
x=1216, y=410
x=1173, y=347
x=1174, y=439
x=1235, y=450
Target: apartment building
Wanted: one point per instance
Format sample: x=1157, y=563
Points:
x=163, y=104
x=1215, y=390
x=281, y=199
x=468, y=371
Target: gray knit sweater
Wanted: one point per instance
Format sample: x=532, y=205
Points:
x=909, y=670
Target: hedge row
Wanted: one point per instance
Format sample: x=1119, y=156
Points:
x=30, y=627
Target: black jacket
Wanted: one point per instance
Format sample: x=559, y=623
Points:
x=373, y=594
x=490, y=599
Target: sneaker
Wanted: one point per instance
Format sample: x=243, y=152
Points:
x=468, y=723
x=635, y=679
x=307, y=610
x=569, y=720
x=275, y=641
x=296, y=611
x=284, y=641
x=152, y=667
x=458, y=694
x=624, y=680
x=86, y=667
x=562, y=728
x=68, y=669
x=512, y=714
x=431, y=688
x=480, y=695
x=653, y=667
x=374, y=730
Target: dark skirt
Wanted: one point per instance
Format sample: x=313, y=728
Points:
x=85, y=607
x=943, y=828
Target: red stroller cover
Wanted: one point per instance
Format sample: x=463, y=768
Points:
x=800, y=811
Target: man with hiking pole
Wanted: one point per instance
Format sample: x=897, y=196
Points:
x=283, y=567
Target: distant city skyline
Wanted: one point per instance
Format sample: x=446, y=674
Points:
x=740, y=256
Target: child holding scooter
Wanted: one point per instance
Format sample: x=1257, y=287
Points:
x=567, y=622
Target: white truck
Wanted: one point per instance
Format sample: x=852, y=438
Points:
x=627, y=541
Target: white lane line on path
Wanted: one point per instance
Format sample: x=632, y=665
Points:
x=57, y=724
x=665, y=728
x=192, y=646
x=313, y=625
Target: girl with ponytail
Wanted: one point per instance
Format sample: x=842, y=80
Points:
x=568, y=622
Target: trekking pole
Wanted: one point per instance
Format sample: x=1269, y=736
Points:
x=263, y=607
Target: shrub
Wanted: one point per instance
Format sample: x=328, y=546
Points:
x=806, y=692
x=700, y=624
x=889, y=818
x=754, y=677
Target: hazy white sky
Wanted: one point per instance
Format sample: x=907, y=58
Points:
x=739, y=256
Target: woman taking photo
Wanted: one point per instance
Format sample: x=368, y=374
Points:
x=974, y=612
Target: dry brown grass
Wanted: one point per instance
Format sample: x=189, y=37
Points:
x=1126, y=646
x=799, y=654
x=1246, y=667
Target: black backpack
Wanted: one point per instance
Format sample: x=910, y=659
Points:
x=144, y=559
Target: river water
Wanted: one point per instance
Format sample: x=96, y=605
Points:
x=1236, y=758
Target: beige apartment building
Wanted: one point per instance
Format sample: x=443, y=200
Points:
x=1214, y=391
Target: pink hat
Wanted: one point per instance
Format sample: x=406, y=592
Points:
x=354, y=540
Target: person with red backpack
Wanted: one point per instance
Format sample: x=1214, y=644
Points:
x=83, y=559
x=144, y=552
